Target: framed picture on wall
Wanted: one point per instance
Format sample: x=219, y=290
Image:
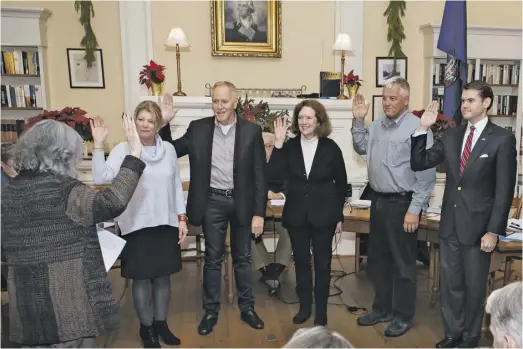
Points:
x=80, y=76
x=246, y=28
x=385, y=68
x=377, y=106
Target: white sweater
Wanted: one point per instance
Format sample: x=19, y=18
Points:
x=158, y=198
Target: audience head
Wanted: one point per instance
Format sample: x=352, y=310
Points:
x=49, y=146
x=317, y=337
x=476, y=100
x=310, y=119
x=396, y=97
x=7, y=159
x=148, y=118
x=505, y=308
x=224, y=102
x=268, y=142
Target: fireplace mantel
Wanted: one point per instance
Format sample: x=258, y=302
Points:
x=193, y=108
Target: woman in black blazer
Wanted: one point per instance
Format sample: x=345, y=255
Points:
x=314, y=167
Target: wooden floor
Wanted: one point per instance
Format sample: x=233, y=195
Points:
x=185, y=312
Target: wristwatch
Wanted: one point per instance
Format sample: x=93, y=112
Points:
x=182, y=218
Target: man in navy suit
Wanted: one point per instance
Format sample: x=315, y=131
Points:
x=481, y=161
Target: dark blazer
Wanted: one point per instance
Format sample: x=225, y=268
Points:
x=479, y=200
x=278, y=186
x=318, y=199
x=250, y=187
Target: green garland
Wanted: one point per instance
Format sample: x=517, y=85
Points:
x=396, y=33
x=89, y=42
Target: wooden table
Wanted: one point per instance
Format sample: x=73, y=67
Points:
x=358, y=221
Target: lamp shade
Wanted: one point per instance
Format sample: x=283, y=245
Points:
x=177, y=36
x=342, y=43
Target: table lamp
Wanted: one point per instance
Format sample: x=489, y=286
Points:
x=342, y=44
x=177, y=39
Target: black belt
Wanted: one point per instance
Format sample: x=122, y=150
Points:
x=393, y=195
x=224, y=192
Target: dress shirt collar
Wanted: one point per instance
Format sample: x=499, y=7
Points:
x=388, y=122
x=479, y=126
x=225, y=128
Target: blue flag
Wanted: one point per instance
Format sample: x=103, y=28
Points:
x=453, y=41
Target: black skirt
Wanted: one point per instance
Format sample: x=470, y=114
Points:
x=151, y=253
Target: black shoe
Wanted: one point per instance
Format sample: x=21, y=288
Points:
x=373, y=318
x=165, y=334
x=303, y=315
x=468, y=343
x=149, y=337
x=448, y=342
x=397, y=328
x=252, y=319
x=208, y=322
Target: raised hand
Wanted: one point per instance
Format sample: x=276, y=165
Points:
x=167, y=106
x=430, y=116
x=131, y=134
x=99, y=130
x=280, y=131
x=360, y=107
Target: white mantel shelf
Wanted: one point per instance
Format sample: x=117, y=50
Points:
x=195, y=102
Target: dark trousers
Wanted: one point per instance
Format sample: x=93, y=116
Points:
x=321, y=239
x=463, y=285
x=392, y=257
x=220, y=211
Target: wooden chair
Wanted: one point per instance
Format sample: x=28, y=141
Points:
x=197, y=232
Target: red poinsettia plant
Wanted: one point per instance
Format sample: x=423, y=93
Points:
x=259, y=113
x=351, y=79
x=74, y=117
x=152, y=72
x=441, y=125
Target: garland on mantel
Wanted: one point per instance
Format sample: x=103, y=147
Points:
x=89, y=42
x=396, y=32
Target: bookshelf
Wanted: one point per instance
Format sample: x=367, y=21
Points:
x=23, y=62
x=495, y=56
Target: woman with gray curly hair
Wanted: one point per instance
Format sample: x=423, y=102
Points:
x=59, y=293
x=317, y=337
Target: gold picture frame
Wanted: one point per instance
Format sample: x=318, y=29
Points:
x=230, y=35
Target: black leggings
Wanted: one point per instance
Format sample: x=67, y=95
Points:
x=161, y=290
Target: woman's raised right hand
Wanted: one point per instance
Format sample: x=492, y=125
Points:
x=131, y=134
x=280, y=131
x=99, y=131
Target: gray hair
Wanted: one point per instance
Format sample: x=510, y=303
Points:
x=50, y=146
x=505, y=308
x=400, y=82
x=230, y=85
x=317, y=337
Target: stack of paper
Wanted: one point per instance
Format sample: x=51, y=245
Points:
x=514, y=231
x=277, y=202
x=360, y=203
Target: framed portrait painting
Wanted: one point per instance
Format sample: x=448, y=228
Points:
x=246, y=28
x=385, y=69
x=80, y=76
x=377, y=106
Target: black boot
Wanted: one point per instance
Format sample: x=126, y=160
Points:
x=303, y=314
x=149, y=337
x=165, y=334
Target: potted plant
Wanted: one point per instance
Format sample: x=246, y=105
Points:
x=439, y=128
x=152, y=76
x=259, y=113
x=353, y=83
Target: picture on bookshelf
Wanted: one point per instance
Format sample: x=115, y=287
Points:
x=80, y=76
x=385, y=68
x=377, y=106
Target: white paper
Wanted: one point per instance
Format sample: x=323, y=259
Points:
x=434, y=210
x=514, y=224
x=278, y=202
x=512, y=237
x=111, y=246
x=361, y=203
x=108, y=224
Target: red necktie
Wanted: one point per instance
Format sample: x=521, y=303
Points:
x=466, y=151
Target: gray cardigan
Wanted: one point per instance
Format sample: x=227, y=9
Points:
x=57, y=284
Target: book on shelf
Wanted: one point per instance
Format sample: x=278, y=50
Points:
x=22, y=96
x=11, y=130
x=499, y=74
x=20, y=62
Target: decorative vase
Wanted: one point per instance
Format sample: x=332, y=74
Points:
x=353, y=89
x=157, y=89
